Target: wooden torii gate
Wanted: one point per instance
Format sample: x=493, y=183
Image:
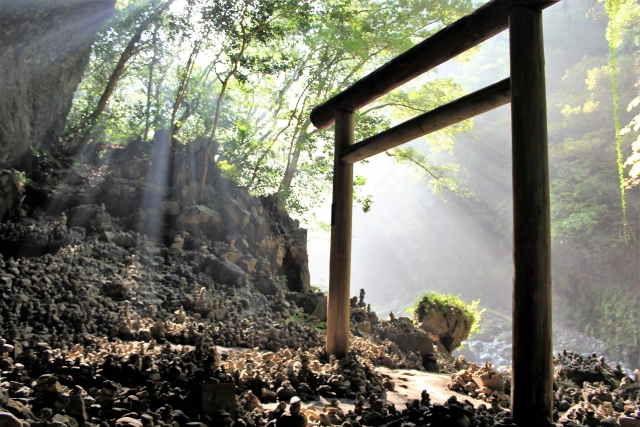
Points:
x=532, y=383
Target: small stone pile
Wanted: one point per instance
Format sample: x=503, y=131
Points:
x=571, y=366
x=103, y=290
x=480, y=382
x=137, y=384
x=593, y=393
x=140, y=384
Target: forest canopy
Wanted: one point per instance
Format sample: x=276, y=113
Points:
x=239, y=78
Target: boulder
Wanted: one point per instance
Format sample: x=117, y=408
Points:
x=236, y=212
x=4, y=397
x=19, y=410
x=135, y=169
x=201, y=218
x=171, y=207
x=626, y=421
x=81, y=216
x=8, y=420
x=217, y=397
x=307, y=301
x=128, y=422
x=225, y=272
x=11, y=192
x=268, y=287
x=76, y=408
x=46, y=46
x=320, y=312
x=409, y=342
x=451, y=326
x=295, y=264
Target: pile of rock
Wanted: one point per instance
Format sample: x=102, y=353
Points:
x=483, y=383
x=593, y=393
x=145, y=384
x=574, y=367
x=406, y=338
x=101, y=289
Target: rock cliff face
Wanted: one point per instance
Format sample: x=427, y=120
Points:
x=45, y=48
x=239, y=239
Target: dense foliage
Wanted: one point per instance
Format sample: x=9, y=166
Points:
x=239, y=78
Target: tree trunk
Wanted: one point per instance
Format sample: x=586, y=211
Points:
x=152, y=66
x=182, y=89
x=294, y=156
x=212, y=138
x=87, y=125
x=45, y=48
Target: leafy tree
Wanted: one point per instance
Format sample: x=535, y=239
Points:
x=243, y=23
x=133, y=15
x=622, y=15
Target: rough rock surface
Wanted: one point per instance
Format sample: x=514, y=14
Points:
x=45, y=48
x=409, y=339
x=233, y=236
x=11, y=192
x=450, y=327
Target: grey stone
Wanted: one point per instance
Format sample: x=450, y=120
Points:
x=19, y=410
x=320, y=311
x=171, y=207
x=10, y=193
x=76, y=408
x=225, y=272
x=626, y=421
x=268, y=287
x=4, y=397
x=216, y=397
x=8, y=420
x=128, y=422
x=201, y=218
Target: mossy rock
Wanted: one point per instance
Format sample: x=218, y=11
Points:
x=448, y=317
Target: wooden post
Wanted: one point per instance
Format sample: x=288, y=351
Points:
x=532, y=383
x=340, y=256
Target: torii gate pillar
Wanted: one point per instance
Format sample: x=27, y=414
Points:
x=532, y=383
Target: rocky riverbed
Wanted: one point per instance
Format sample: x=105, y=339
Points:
x=493, y=344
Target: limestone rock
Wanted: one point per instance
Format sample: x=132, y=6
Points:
x=451, y=326
x=40, y=78
x=201, y=219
